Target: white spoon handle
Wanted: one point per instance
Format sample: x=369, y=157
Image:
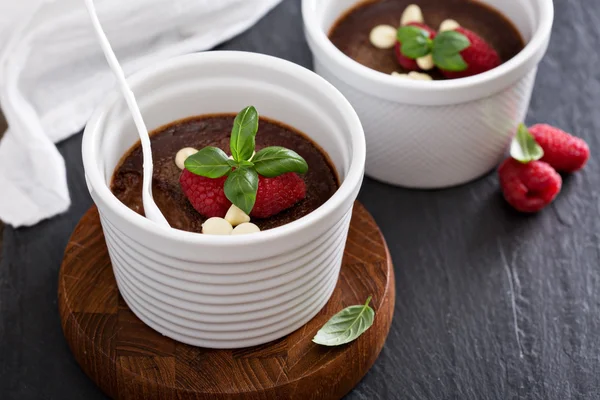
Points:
x=150, y=208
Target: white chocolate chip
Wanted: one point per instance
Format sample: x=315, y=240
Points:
x=383, y=36
x=216, y=226
x=246, y=227
x=182, y=155
x=449, y=25
x=399, y=75
x=425, y=62
x=412, y=13
x=235, y=216
x=418, y=76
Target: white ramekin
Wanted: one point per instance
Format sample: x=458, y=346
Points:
x=227, y=291
x=434, y=134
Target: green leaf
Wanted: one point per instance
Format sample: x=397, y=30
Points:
x=210, y=162
x=243, y=134
x=524, y=148
x=274, y=161
x=346, y=325
x=415, y=48
x=240, y=188
x=454, y=63
x=407, y=33
x=415, y=41
x=446, y=49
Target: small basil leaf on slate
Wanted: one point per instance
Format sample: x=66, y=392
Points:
x=274, y=161
x=210, y=162
x=243, y=134
x=446, y=50
x=346, y=325
x=524, y=148
x=241, y=187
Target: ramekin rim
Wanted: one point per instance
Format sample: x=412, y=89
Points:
x=348, y=187
x=529, y=52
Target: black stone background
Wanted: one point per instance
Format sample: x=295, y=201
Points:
x=459, y=254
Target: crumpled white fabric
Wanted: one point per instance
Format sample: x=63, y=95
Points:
x=53, y=74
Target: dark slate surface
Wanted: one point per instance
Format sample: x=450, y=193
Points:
x=490, y=304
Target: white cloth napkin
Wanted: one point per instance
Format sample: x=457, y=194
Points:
x=53, y=74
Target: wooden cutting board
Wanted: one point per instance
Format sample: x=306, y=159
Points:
x=128, y=360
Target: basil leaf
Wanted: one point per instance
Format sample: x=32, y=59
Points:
x=243, y=134
x=446, y=50
x=346, y=325
x=451, y=42
x=414, y=41
x=246, y=164
x=407, y=33
x=524, y=148
x=453, y=63
x=415, y=48
x=241, y=187
x=274, y=161
x=210, y=162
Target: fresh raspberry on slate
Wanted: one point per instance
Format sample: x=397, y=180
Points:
x=205, y=194
x=479, y=56
x=529, y=187
x=410, y=64
x=277, y=194
x=566, y=153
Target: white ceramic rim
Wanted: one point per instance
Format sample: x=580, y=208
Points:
x=529, y=56
x=346, y=190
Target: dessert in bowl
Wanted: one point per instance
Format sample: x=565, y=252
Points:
x=225, y=291
x=431, y=126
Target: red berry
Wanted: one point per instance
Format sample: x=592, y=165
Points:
x=566, y=153
x=529, y=187
x=273, y=196
x=479, y=56
x=408, y=63
x=277, y=194
x=205, y=194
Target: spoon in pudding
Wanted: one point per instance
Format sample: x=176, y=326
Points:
x=151, y=210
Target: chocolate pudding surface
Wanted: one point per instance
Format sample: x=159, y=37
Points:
x=214, y=130
x=350, y=33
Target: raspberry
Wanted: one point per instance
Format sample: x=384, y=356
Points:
x=479, y=56
x=273, y=196
x=566, y=153
x=205, y=194
x=529, y=187
x=277, y=194
x=408, y=63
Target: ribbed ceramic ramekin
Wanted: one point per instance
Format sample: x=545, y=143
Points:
x=227, y=291
x=434, y=134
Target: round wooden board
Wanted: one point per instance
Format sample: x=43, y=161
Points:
x=128, y=360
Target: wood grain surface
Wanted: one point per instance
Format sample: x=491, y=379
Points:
x=128, y=360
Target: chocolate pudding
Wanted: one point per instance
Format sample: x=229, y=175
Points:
x=214, y=130
x=350, y=33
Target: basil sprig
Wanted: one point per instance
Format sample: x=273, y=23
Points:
x=242, y=171
x=445, y=48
